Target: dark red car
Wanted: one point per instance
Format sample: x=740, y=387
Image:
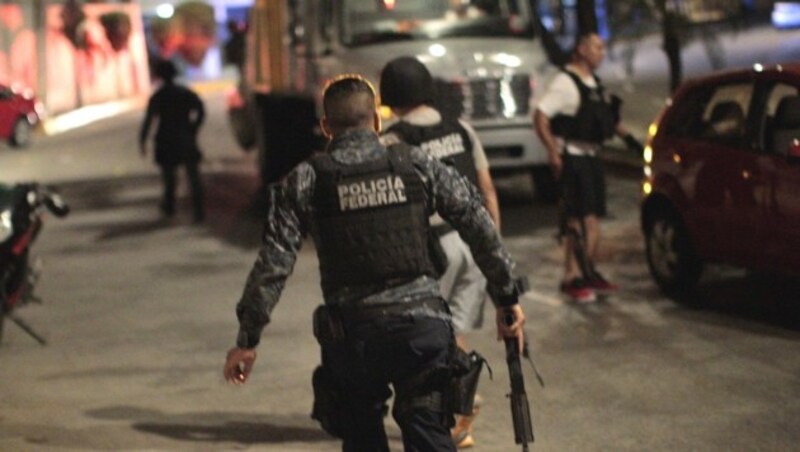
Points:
x=722, y=177
x=20, y=112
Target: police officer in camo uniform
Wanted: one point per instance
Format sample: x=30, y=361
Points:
x=406, y=86
x=383, y=323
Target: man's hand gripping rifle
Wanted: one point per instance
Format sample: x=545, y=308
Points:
x=520, y=409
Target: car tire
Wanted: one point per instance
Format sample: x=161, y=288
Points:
x=671, y=259
x=21, y=134
x=544, y=184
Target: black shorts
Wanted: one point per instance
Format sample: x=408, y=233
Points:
x=583, y=186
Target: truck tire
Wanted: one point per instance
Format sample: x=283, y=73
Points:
x=242, y=122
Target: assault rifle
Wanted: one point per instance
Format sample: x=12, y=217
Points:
x=578, y=245
x=520, y=409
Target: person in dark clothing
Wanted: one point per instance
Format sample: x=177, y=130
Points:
x=179, y=112
x=383, y=322
x=406, y=86
x=234, y=49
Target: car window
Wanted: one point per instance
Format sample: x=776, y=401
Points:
x=778, y=92
x=686, y=118
x=781, y=122
x=725, y=117
x=715, y=113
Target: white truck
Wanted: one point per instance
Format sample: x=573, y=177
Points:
x=483, y=54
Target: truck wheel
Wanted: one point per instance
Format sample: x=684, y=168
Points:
x=671, y=259
x=21, y=134
x=544, y=184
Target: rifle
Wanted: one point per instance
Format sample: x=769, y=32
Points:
x=578, y=245
x=520, y=409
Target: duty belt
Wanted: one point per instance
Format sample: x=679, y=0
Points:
x=365, y=313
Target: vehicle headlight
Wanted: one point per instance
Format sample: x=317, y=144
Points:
x=6, y=228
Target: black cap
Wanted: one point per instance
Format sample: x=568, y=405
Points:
x=405, y=82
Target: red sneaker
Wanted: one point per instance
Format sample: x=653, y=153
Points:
x=578, y=290
x=601, y=286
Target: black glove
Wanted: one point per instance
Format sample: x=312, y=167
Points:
x=633, y=144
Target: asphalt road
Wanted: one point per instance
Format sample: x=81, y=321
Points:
x=139, y=313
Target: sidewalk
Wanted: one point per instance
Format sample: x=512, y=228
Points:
x=63, y=122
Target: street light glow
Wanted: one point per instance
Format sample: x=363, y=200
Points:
x=165, y=10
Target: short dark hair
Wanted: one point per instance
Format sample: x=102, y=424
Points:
x=581, y=38
x=165, y=70
x=406, y=82
x=349, y=101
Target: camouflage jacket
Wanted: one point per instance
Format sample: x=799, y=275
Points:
x=290, y=219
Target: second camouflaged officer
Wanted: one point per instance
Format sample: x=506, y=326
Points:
x=383, y=323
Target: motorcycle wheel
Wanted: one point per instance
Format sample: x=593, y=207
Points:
x=11, y=285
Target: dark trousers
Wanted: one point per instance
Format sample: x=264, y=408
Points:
x=383, y=351
x=584, y=186
x=169, y=178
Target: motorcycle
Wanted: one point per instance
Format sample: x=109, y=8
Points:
x=22, y=208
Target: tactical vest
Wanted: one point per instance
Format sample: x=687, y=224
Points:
x=447, y=141
x=593, y=122
x=371, y=221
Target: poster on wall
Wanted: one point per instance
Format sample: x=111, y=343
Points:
x=18, y=63
x=94, y=53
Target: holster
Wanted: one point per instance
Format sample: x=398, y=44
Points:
x=465, y=372
x=328, y=408
x=328, y=326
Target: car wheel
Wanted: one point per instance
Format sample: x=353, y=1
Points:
x=673, y=263
x=21, y=135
